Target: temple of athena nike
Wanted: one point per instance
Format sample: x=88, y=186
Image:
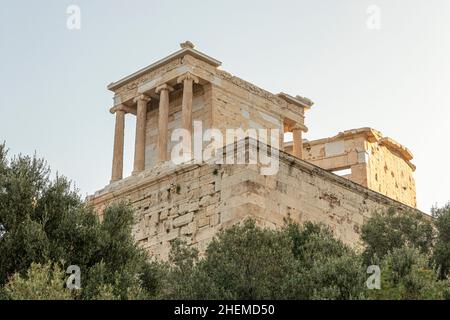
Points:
x=339, y=181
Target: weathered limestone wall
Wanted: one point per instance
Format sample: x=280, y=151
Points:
x=234, y=107
x=377, y=163
x=193, y=202
x=181, y=202
x=305, y=192
x=389, y=174
x=340, y=154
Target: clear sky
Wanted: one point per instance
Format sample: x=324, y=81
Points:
x=396, y=79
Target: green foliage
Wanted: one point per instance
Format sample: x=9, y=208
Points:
x=45, y=220
x=118, y=261
x=406, y=275
x=306, y=262
x=403, y=244
x=441, y=254
x=24, y=240
x=105, y=292
x=329, y=268
x=388, y=230
x=247, y=262
x=179, y=275
x=41, y=282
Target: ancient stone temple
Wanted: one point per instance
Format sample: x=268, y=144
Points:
x=339, y=181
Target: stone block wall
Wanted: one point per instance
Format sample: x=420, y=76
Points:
x=234, y=107
x=377, y=163
x=390, y=174
x=194, y=202
x=340, y=154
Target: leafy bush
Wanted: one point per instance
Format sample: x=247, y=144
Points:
x=45, y=220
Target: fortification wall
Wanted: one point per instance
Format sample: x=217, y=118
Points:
x=194, y=202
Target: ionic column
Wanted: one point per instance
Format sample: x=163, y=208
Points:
x=163, y=120
x=188, y=80
x=139, y=146
x=117, y=165
x=297, y=148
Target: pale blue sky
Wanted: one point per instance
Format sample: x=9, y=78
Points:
x=53, y=81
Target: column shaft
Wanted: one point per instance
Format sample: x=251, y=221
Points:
x=187, y=104
x=188, y=80
x=139, y=146
x=117, y=166
x=297, y=149
x=163, y=121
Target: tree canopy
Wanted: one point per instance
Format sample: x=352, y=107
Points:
x=44, y=221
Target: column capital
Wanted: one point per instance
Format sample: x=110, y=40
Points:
x=120, y=107
x=141, y=97
x=299, y=126
x=164, y=86
x=188, y=76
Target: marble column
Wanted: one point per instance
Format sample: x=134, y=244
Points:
x=139, y=146
x=297, y=148
x=188, y=80
x=163, y=121
x=117, y=166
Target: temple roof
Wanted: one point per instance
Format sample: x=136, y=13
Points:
x=297, y=100
x=186, y=48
